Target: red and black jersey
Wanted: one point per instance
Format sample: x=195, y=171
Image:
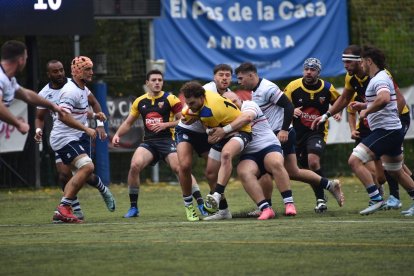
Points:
x=315, y=101
x=159, y=109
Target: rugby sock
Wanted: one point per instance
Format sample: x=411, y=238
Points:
x=263, y=205
x=66, y=201
x=133, y=196
x=287, y=196
x=319, y=192
x=325, y=183
x=219, y=188
x=188, y=200
x=373, y=193
x=393, y=184
x=97, y=183
x=223, y=203
x=197, y=194
x=269, y=200
x=76, y=204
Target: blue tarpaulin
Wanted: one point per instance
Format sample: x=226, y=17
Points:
x=277, y=36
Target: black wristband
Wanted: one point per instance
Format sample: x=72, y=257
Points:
x=328, y=114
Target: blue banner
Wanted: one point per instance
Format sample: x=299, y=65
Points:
x=277, y=36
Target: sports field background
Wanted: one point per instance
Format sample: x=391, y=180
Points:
x=162, y=242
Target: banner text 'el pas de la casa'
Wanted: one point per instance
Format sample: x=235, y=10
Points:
x=277, y=36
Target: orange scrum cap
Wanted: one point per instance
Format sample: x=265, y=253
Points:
x=79, y=63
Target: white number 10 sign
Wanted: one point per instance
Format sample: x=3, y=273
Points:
x=53, y=4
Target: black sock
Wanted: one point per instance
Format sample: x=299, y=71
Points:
x=319, y=192
x=393, y=184
x=133, y=196
x=197, y=196
x=219, y=188
x=269, y=200
x=223, y=203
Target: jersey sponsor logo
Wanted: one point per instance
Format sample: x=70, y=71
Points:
x=309, y=114
x=153, y=118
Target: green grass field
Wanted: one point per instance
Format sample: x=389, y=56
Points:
x=162, y=242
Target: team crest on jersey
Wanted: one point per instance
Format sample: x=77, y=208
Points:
x=160, y=104
x=322, y=100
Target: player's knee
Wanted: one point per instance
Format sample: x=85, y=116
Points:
x=314, y=166
x=210, y=175
x=360, y=153
x=226, y=156
x=185, y=169
x=136, y=167
x=84, y=162
x=242, y=172
x=392, y=167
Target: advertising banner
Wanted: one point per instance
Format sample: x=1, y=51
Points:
x=10, y=138
x=277, y=36
x=118, y=109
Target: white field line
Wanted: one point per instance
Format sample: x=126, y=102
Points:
x=222, y=242
x=235, y=221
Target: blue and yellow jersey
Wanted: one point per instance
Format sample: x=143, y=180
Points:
x=159, y=109
x=217, y=111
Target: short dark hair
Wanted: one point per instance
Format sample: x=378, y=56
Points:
x=192, y=89
x=52, y=61
x=353, y=49
x=246, y=67
x=222, y=67
x=12, y=49
x=377, y=56
x=154, y=72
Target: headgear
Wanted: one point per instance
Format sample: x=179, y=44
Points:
x=313, y=63
x=351, y=57
x=78, y=64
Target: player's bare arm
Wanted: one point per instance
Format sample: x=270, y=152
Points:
x=68, y=120
x=219, y=133
x=337, y=107
x=123, y=129
x=39, y=124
